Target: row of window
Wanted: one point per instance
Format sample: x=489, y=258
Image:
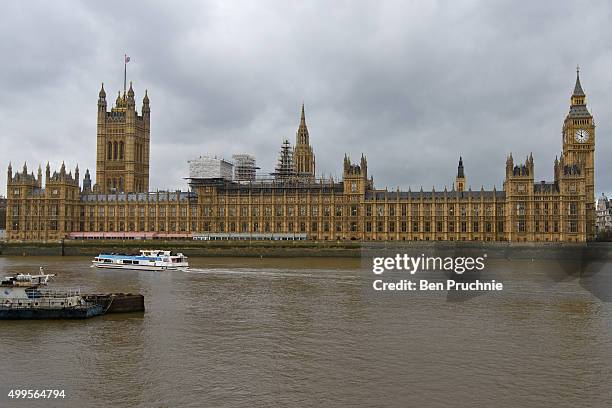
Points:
x=439, y=226
x=291, y=210
x=281, y=211
x=521, y=208
x=572, y=226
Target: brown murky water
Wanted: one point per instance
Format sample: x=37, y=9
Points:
x=305, y=333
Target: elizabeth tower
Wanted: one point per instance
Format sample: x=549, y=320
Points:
x=579, y=148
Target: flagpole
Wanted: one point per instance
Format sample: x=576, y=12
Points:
x=124, y=72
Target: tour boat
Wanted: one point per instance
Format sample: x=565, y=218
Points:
x=147, y=260
x=23, y=297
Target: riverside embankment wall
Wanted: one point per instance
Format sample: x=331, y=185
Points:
x=352, y=249
x=189, y=248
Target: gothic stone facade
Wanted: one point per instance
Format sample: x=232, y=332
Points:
x=122, y=159
x=2, y=213
x=348, y=209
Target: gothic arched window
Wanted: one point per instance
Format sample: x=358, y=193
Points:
x=115, y=151
x=120, y=150
x=109, y=155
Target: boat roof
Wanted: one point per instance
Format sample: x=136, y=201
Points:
x=120, y=256
x=155, y=251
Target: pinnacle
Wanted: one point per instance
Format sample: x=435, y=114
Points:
x=578, y=87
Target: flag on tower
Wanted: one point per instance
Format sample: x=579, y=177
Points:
x=126, y=59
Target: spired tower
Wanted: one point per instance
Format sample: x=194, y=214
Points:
x=579, y=148
x=122, y=161
x=303, y=156
x=460, y=180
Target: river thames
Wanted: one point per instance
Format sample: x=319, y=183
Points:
x=309, y=332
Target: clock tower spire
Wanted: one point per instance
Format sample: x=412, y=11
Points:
x=579, y=148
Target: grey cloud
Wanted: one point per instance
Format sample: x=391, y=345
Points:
x=411, y=85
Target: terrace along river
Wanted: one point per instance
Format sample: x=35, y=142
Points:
x=307, y=332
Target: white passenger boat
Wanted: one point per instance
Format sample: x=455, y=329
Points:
x=147, y=260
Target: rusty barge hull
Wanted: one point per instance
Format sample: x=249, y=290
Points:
x=118, y=302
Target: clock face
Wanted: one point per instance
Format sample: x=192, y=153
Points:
x=581, y=136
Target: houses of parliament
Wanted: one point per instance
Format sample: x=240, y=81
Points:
x=294, y=203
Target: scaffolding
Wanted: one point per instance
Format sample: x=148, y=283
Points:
x=284, y=167
x=244, y=167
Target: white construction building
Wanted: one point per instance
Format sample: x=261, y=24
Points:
x=206, y=167
x=244, y=167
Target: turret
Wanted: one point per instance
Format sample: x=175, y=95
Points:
x=364, y=166
x=460, y=179
x=529, y=164
x=76, y=173
x=39, y=179
x=25, y=169
x=509, y=165
x=102, y=99
x=146, y=113
x=130, y=97
x=145, y=104
x=87, y=182
x=47, y=173
x=9, y=173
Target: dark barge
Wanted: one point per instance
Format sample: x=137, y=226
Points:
x=25, y=297
x=118, y=302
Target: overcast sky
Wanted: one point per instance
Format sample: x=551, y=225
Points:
x=413, y=85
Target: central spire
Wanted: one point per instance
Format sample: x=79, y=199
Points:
x=303, y=156
x=302, y=132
